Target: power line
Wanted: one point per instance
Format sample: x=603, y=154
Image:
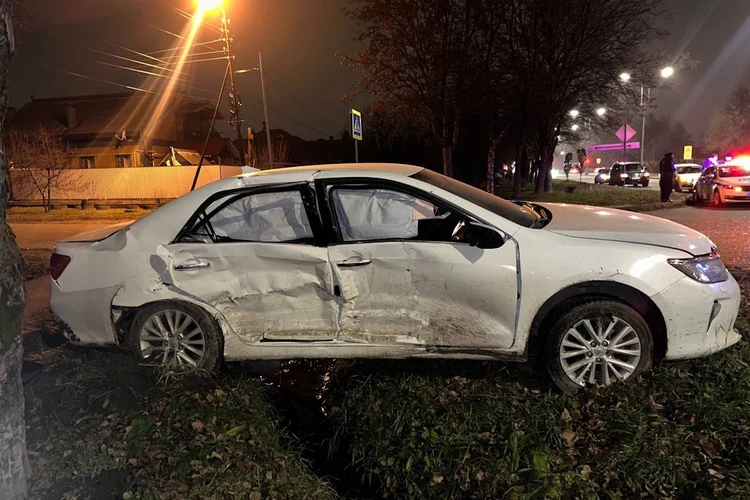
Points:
x=151, y=73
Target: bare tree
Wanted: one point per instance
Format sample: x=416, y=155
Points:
x=729, y=128
x=419, y=59
x=14, y=466
x=45, y=159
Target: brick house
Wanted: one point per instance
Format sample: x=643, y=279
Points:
x=122, y=130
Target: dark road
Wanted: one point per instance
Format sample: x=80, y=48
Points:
x=728, y=228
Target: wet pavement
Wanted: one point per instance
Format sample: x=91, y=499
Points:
x=728, y=228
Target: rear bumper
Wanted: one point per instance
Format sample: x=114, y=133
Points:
x=85, y=315
x=699, y=318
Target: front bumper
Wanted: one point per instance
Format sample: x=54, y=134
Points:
x=696, y=327
x=732, y=196
x=85, y=315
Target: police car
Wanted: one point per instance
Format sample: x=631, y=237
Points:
x=724, y=184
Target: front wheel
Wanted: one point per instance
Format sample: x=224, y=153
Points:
x=717, y=200
x=597, y=344
x=176, y=334
x=645, y=184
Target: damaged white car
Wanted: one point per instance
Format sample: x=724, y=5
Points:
x=395, y=261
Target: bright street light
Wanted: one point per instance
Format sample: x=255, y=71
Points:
x=625, y=77
x=205, y=5
x=574, y=127
x=574, y=113
x=601, y=111
x=667, y=72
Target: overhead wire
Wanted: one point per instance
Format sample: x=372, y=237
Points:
x=151, y=73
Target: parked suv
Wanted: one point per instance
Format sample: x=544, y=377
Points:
x=632, y=173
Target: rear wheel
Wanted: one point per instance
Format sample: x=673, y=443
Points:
x=176, y=334
x=597, y=344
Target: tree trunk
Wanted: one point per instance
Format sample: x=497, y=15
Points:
x=448, y=161
x=518, y=174
x=14, y=465
x=491, y=168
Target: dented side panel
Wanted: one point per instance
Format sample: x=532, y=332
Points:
x=263, y=290
x=427, y=293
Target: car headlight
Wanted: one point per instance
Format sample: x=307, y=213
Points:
x=705, y=269
x=646, y=174
x=624, y=176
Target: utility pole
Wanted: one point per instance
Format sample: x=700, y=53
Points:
x=625, y=137
x=235, y=102
x=269, y=146
x=645, y=105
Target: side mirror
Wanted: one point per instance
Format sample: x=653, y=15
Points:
x=483, y=236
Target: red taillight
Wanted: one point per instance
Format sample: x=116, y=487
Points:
x=57, y=264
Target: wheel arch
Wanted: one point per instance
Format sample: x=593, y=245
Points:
x=579, y=293
x=127, y=315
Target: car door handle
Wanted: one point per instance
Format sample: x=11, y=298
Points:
x=192, y=266
x=354, y=263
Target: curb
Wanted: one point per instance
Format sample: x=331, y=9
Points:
x=651, y=207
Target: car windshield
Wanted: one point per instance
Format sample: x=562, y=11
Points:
x=521, y=215
x=604, y=171
x=688, y=170
x=733, y=171
x=634, y=167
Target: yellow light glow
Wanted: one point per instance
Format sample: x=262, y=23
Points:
x=738, y=189
x=205, y=5
x=667, y=72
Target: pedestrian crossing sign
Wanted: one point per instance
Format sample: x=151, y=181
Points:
x=356, y=125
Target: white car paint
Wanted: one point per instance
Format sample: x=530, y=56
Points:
x=410, y=299
x=687, y=179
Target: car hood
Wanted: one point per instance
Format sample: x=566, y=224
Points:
x=96, y=234
x=599, y=223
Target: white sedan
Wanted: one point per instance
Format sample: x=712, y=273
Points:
x=395, y=261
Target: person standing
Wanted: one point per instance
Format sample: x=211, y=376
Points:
x=711, y=161
x=666, y=180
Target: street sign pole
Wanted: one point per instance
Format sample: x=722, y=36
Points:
x=356, y=123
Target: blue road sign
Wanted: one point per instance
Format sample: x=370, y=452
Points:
x=356, y=125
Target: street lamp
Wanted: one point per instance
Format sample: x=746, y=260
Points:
x=601, y=111
x=574, y=127
x=574, y=113
x=205, y=5
x=625, y=77
x=667, y=72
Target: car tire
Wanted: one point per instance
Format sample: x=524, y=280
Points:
x=645, y=184
x=716, y=199
x=600, y=314
x=190, y=337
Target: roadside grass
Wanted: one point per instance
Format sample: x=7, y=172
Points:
x=487, y=430
x=37, y=214
x=588, y=194
x=36, y=263
x=101, y=426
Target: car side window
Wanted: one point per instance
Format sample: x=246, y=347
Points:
x=271, y=217
x=372, y=214
x=709, y=171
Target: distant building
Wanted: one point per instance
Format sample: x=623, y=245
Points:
x=291, y=150
x=126, y=130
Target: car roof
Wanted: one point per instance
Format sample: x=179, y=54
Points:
x=389, y=168
x=687, y=165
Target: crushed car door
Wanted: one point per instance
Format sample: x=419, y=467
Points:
x=253, y=256
x=408, y=274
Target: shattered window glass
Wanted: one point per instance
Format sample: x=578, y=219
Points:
x=383, y=214
x=264, y=217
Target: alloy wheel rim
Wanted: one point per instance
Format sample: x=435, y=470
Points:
x=600, y=351
x=172, y=338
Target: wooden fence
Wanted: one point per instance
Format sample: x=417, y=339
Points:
x=142, y=183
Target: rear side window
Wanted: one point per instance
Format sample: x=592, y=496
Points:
x=273, y=217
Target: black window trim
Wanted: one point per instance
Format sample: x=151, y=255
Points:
x=308, y=201
x=331, y=227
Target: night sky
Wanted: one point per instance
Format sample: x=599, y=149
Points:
x=299, y=40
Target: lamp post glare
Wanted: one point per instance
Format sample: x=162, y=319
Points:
x=574, y=127
x=574, y=113
x=625, y=77
x=667, y=72
x=205, y=5
x=601, y=111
